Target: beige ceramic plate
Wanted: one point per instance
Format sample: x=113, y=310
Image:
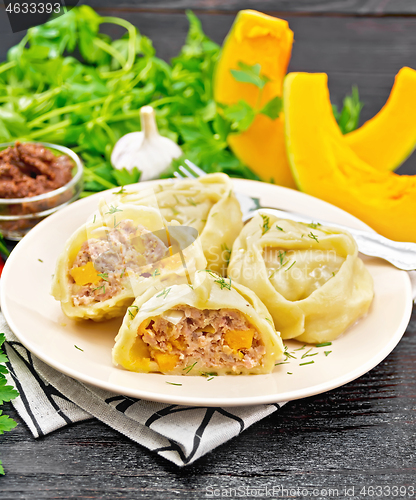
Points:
x=37, y=320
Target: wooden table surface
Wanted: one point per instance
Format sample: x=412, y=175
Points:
x=360, y=435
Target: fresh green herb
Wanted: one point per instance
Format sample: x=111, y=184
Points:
x=293, y=263
x=164, y=294
x=333, y=274
x=93, y=221
x=279, y=228
x=314, y=225
x=281, y=256
x=288, y=354
x=189, y=368
x=266, y=224
x=223, y=283
x=103, y=276
x=115, y=222
x=7, y=393
x=122, y=273
x=227, y=252
x=40, y=260
x=210, y=378
x=113, y=210
x=313, y=236
x=323, y=344
x=208, y=374
x=79, y=348
x=122, y=190
x=308, y=363
x=289, y=373
x=133, y=313
x=300, y=348
x=191, y=202
x=349, y=116
x=172, y=383
x=282, y=363
x=269, y=320
x=174, y=211
x=309, y=355
x=99, y=288
x=327, y=352
x=155, y=273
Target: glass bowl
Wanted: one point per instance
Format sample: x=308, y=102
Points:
x=19, y=215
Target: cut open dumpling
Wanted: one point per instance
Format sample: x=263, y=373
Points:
x=117, y=255
x=207, y=204
x=212, y=327
x=309, y=276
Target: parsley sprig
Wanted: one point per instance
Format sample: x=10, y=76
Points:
x=7, y=393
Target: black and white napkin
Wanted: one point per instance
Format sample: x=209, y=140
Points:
x=49, y=400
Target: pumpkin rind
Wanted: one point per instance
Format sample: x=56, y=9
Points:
x=389, y=138
x=257, y=38
x=324, y=165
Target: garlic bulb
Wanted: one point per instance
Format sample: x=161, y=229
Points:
x=147, y=150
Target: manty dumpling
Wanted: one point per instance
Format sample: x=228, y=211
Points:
x=122, y=251
x=213, y=327
x=309, y=276
x=208, y=204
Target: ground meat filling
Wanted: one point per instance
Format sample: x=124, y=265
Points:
x=30, y=169
x=218, y=338
x=126, y=249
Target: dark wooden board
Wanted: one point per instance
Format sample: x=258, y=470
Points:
x=302, y=7
x=359, y=435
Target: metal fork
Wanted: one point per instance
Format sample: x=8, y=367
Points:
x=401, y=254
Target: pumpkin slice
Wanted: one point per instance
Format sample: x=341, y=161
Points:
x=325, y=166
x=256, y=38
x=389, y=138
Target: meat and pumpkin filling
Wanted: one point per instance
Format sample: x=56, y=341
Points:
x=102, y=264
x=212, y=338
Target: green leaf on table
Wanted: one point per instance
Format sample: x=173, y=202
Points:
x=124, y=177
x=250, y=74
x=6, y=423
x=349, y=117
x=273, y=108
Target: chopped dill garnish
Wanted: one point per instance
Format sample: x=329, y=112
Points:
x=210, y=378
x=266, y=224
x=189, y=368
x=308, y=363
x=313, y=236
x=279, y=228
x=227, y=251
x=40, y=260
x=122, y=191
x=190, y=286
x=113, y=210
x=268, y=319
x=323, y=344
x=289, y=373
x=155, y=273
x=287, y=354
x=293, y=263
x=327, y=352
x=333, y=274
x=191, y=202
x=175, y=212
x=164, y=294
x=282, y=363
x=281, y=256
x=300, y=348
x=132, y=314
x=99, y=288
x=208, y=374
x=122, y=273
x=103, y=276
x=229, y=193
x=172, y=383
x=223, y=284
x=116, y=224
x=93, y=221
x=314, y=225
x=176, y=198
x=79, y=348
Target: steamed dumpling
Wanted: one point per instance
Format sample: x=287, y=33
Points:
x=116, y=256
x=211, y=327
x=207, y=204
x=309, y=276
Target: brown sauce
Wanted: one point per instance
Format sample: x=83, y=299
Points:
x=28, y=170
